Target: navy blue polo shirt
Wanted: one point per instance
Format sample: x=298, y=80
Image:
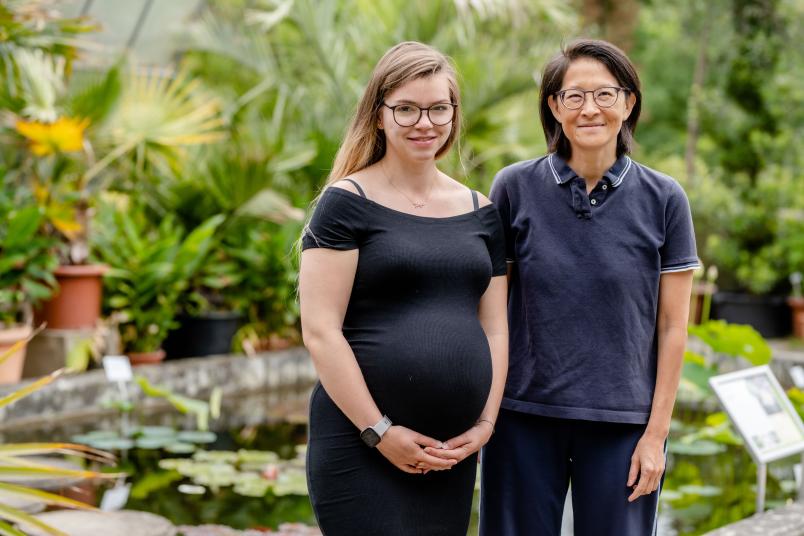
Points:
x=585, y=285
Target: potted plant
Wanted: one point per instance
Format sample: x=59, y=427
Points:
x=741, y=229
x=150, y=267
x=50, y=149
x=27, y=263
x=246, y=265
x=76, y=131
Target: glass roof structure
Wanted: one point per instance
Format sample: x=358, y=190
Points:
x=149, y=29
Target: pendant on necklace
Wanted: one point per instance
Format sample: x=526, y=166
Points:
x=419, y=205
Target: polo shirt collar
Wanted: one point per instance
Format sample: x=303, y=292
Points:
x=562, y=173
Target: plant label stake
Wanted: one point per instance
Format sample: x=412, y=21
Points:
x=118, y=370
x=797, y=375
x=764, y=417
x=115, y=498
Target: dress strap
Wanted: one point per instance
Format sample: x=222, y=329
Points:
x=475, y=202
x=359, y=189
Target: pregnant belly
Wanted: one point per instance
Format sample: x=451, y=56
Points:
x=432, y=375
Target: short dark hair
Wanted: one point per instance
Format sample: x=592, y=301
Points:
x=618, y=64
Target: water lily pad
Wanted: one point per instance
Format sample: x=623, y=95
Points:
x=151, y=443
x=252, y=487
x=192, y=489
x=697, y=448
x=180, y=448
x=291, y=482
x=703, y=491
x=196, y=436
x=156, y=431
x=670, y=495
x=117, y=443
x=257, y=456
x=170, y=463
x=95, y=435
x=221, y=456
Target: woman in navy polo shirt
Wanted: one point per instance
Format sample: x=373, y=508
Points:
x=601, y=251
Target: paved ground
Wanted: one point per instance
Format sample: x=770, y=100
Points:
x=785, y=521
x=287, y=529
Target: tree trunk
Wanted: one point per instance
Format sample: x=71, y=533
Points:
x=612, y=20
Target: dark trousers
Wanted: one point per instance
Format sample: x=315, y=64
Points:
x=527, y=467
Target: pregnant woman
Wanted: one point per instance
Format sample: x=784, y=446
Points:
x=403, y=306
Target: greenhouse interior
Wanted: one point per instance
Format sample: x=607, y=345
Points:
x=166, y=166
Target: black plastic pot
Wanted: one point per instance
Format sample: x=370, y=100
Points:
x=769, y=315
x=208, y=334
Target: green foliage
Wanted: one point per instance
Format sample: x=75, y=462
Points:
x=151, y=266
x=746, y=190
x=27, y=258
x=199, y=408
x=35, y=28
x=796, y=396
x=734, y=340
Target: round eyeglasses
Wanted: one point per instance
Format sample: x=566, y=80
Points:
x=605, y=97
x=407, y=115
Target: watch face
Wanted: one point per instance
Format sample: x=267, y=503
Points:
x=369, y=437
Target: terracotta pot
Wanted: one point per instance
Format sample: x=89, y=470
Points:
x=77, y=303
x=146, y=358
x=11, y=369
x=797, y=308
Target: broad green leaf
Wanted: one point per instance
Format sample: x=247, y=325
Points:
x=734, y=340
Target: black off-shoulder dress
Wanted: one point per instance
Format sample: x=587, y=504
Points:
x=412, y=322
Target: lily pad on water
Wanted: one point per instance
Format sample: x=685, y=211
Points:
x=703, y=491
x=291, y=482
x=220, y=456
x=191, y=489
x=251, y=485
x=95, y=435
x=670, y=495
x=150, y=443
x=155, y=431
x=196, y=436
x=257, y=456
x=180, y=448
x=117, y=443
x=697, y=448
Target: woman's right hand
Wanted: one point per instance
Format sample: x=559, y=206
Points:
x=405, y=449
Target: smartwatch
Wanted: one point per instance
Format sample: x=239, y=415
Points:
x=372, y=435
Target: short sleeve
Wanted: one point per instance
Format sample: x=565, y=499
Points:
x=336, y=222
x=496, y=242
x=678, y=253
x=499, y=196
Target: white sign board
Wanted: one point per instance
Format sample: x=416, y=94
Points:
x=763, y=414
x=117, y=368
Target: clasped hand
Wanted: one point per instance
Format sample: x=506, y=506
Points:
x=415, y=453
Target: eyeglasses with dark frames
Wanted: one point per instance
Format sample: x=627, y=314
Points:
x=407, y=115
x=604, y=97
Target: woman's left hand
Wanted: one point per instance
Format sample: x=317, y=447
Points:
x=647, y=464
x=461, y=447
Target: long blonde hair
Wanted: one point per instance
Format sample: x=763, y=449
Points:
x=364, y=143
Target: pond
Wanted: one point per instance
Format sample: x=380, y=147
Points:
x=250, y=473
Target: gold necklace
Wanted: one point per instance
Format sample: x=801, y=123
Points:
x=416, y=204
